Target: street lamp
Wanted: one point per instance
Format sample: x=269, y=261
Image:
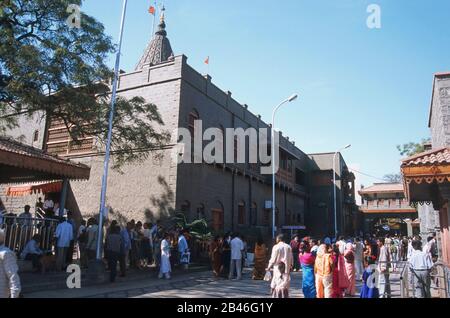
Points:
x=108, y=141
x=288, y=100
x=334, y=188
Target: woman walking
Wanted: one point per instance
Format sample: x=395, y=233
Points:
x=307, y=260
x=260, y=260
x=215, y=254
x=349, y=256
x=323, y=270
x=340, y=281
x=165, y=269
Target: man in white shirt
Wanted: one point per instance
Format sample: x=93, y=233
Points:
x=420, y=265
x=281, y=253
x=9, y=278
x=237, y=246
x=64, y=235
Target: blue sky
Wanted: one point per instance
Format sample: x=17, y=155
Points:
x=367, y=87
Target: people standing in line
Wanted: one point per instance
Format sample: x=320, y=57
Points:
x=226, y=255
x=384, y=260
x=349, y=257
x=420, y=265
x=393, y=249
x=33, y=253
x=260, y=259
x=369, y=288
x=404, y=248
x=139, y=257
x=63, y=235
x=323, y=270
x=9, y=278
x=71, y=221
x=359, y=258
x=237, y=246
x=307, y=260
x=215, y=254
x=113, y=245
x=165, y=268
x=92, y=237
x=281, y=263
x=295, y=244
x=183, y=250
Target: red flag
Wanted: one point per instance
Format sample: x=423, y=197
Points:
x=152, y=10
x=207, y=60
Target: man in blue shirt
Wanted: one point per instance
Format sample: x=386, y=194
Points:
x=64, y=235
x=125, y=249
x=32, y=252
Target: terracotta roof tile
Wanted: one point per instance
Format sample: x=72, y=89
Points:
x=436, y=156
x=383, y=187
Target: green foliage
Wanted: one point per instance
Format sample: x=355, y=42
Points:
x=198, y=228
x=412, y=148
x=48, y=68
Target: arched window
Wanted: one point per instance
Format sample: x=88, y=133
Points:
x=217, y=217
x=193, y=116
x=241, y=213
x=254, y=214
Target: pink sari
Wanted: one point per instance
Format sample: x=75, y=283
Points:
x=349, y=257
x=340, y=280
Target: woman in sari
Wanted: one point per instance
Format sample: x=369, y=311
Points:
x=307, y=261
x=349, y=256
x=367, y=252
x=215, y=254
x=340, y=281
x=323, y=270
x=260, y=260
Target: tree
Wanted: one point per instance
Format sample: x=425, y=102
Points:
x=48, y=67
x=412, y=148
x=393, y=178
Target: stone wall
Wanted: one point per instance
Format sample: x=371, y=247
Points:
x=440, y=112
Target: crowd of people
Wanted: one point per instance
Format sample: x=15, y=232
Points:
x=331, y=268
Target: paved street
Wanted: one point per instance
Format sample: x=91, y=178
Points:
x=191, y=285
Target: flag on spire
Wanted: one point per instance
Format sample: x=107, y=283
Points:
x=152, y=10
x=207, y=60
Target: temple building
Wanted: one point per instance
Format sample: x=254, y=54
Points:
x=230, y=196
x=427, y=175
x=385, y=209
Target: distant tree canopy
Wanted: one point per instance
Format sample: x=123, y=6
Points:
x=412, y=148
x=47, y=67
x=393, y=178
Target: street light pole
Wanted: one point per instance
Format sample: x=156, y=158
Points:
x=290, y=99
x=108, y=142
x=334, y=188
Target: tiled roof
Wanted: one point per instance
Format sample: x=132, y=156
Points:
x=383, y=187
x=436, y=156
x=13, y=146
x=35, y=164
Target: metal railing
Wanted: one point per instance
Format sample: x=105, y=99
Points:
x=440, y=281
x=19, y=230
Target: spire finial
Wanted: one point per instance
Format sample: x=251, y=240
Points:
x=162, y=18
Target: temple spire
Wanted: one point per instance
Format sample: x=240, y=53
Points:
x=159, y=49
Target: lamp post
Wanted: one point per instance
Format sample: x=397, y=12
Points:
x=334, y=188
x=288, y=100
x=108, y=142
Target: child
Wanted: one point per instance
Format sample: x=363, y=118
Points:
x=281, y=283
x=369, y=288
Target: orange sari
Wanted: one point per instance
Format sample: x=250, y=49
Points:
x=260, y=262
